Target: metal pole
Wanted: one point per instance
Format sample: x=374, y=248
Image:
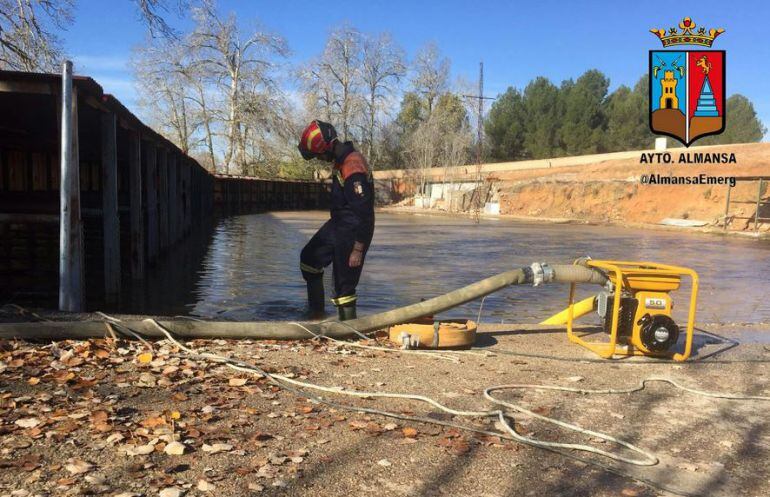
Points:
x=727, y=204
x=70, y=229
x=479, y=144
x=759, y=200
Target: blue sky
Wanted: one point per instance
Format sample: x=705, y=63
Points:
x=516, y=40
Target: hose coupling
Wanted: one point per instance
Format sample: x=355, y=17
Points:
x=541, y=273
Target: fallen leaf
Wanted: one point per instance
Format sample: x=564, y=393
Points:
x=154, y=421
x=29, y=462
x=115, y=438
x=460, y=447
x=96, y=479
x=409, y=432
x=144, y=358
x=237, y=382
x=102, y=354
x=215, y=448
x=205, y=486
x=141, y=450
x=27, y=422
x=170, y=492
x=78, y=466
x=174, y=449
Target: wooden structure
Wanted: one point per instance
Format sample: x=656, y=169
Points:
x=242, y=194
x=140, y=195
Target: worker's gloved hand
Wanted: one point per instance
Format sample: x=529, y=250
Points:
x=356, y=255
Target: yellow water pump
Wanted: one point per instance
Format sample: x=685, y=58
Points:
x=636, y=308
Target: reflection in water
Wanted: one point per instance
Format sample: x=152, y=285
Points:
x=170, y=285
x=251, y=270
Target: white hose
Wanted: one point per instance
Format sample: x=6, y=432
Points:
x=648, y=458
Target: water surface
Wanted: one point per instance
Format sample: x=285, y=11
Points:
x=251, y=268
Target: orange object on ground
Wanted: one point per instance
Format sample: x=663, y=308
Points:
x=450, y=334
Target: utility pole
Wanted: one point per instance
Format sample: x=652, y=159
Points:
x=477, y=201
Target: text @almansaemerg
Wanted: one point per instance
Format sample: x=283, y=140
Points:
x=699, y=179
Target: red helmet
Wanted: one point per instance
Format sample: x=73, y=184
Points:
x=318, y=138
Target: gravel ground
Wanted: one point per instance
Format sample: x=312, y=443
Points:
x=122, y=418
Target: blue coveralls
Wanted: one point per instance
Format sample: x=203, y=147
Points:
x=352, y=220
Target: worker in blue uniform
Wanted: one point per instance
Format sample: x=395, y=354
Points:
x=344, y=239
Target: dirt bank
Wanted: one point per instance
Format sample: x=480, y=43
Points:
x=611, y=192
x=99, y=417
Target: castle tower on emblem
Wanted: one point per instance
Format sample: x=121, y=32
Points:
x=668, y=98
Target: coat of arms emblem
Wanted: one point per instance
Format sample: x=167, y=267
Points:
x=687, y=87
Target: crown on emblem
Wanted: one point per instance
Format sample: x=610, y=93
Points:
x=687, y=35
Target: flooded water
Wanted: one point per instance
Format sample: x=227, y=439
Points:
x=250, y=270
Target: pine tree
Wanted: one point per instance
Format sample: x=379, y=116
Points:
x=541, y=104
x=628, y=119
x=584, y=118
x=504, y=127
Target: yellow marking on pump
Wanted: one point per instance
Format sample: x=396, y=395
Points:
x=310, y=137
x=581, y=309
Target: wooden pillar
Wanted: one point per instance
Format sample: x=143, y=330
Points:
x=163, y=197
x=196, y=194
x=187, y=177
x=151, y=187
x=137, y=218
x=70, y=227
x=110, y=221
x=173, y=203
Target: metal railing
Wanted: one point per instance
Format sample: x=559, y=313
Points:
x=758, y=202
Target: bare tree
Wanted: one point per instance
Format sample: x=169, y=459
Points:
x=153, y=13
x=421, y=150
x=333, y=80
x=241, y=65
x=164, y=75
x=28, y=41
x=441, y=140
x=382, y=68
x=318, y=92
x=431, y=75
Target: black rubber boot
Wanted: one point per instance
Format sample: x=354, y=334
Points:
x=347, y=311
x=315, y=298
